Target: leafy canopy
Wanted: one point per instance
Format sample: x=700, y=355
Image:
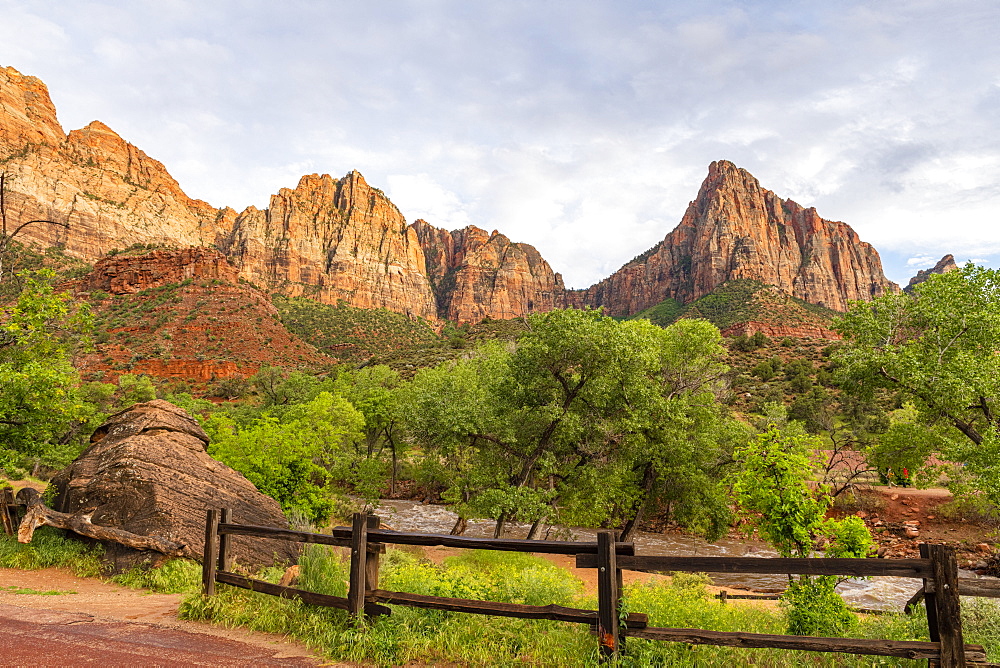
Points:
x=937, y=350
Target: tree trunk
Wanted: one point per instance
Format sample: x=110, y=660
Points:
x=648, y=478
x=533, y=531
x=498, y=530
x=395, y=469
x=41, y=515
x=460, y=525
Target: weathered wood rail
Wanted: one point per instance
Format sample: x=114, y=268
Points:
x=8, y=511
x=937, y=568
x=367, y=541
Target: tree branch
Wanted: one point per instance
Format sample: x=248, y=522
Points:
x=40, y=515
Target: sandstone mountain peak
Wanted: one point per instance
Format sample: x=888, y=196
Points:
x=736, y=229
x=476, y=274
x=943, y=266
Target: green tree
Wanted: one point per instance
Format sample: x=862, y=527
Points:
x=586, y=419
x=40, y=401
x=935, y=348
x=772, y=486
x=374, y=390
x=297, y=457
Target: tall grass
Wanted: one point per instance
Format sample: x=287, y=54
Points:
x=49, y=548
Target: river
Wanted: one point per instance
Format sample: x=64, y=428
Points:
x=878, y=593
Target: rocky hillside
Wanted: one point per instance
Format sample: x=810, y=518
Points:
x=744, y=307
x=184, y=314
x=736, y=229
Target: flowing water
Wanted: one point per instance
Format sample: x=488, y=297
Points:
x=879, y=593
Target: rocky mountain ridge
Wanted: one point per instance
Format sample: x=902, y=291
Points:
x=736, y=229
x=342, y=240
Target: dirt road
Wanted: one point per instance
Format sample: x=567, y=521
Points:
x=52, y=618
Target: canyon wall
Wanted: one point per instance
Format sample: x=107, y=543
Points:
x=332, y=240
x=737, y=229
x=477, y=275
x=343, y=240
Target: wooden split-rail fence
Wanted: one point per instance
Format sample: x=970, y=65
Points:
x=9, y=515
x=937, y=568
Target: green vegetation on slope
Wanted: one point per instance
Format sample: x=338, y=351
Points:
x=354, y=335
x=741, y=300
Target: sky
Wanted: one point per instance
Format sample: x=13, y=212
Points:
x=582, y=128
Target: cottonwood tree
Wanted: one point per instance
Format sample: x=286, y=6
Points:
x=585, y=419
x=936, y=349
x=39, y=401
x=772, y=487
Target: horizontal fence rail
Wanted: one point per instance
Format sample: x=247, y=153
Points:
x=908, y=649
x=907, y=568
x=366, y=540
x=937, y=567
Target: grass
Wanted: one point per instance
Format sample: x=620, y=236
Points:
x=177, y=576
x=415, y=636
x=28, y=591
x=423, y=637
x=49, y=548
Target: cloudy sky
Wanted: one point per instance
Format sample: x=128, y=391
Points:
x=583, y=128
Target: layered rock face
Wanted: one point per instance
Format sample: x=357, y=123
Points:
x=943, y=266
x=737, y=229
x=195, y=320
x=123, y=275
x=147, y=471
x=477, y=275
x=333, y=239
x=341, y=239
x=110, y=193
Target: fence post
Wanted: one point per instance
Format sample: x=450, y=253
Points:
x=372, y=560
x=946, y=604
x=359, y=564
x=209, y=558
x=6, y=502
x=225, y=541
x=607, y=595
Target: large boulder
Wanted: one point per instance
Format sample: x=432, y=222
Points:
x=147, y=471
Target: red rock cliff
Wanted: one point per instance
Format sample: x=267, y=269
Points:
x=330, y=239
x=737, y=229
x=124, y=275
x=334, y=240
x=477, y=275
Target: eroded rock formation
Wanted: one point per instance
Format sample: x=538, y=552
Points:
x=333, y=239
x=476, y=274
x=146, y=471
x=341, y=239
x=943, y=266
x=122, y=275
x=737, y=229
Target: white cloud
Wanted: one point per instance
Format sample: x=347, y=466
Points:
x=422, y=197
x=921, y=261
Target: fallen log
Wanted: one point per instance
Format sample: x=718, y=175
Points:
x=39, y=514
